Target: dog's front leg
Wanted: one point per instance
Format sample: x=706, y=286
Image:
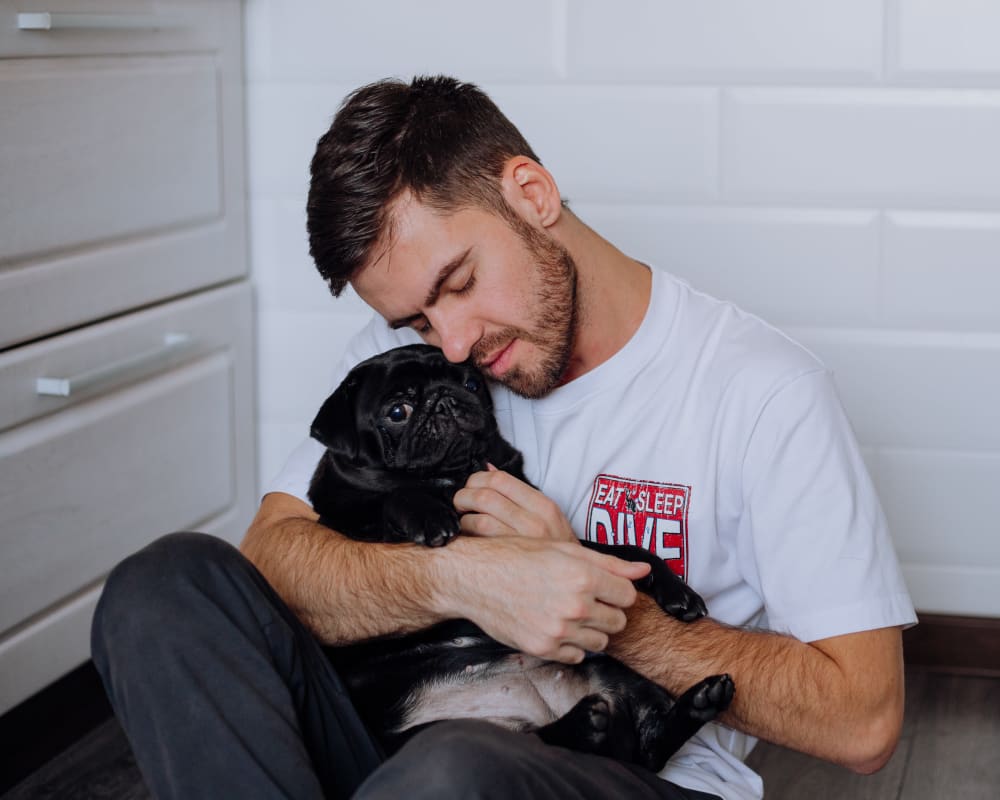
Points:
x=671, y=593
x=421, y=517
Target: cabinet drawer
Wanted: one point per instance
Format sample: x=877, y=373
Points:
x=121, y=167
x=117, y=352
x=105, y=148
x=113, y=27
x=92, y=478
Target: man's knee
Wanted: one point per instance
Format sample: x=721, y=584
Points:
x=460, y=758
x=151, y=590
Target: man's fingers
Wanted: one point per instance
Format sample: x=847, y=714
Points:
x=527, y=513
x=568, y=654
x=485, y=500
x=633, y=570
x=585, y=640
x=605, y=618
x=484, y=525
x=615, y=590
x=515, y=490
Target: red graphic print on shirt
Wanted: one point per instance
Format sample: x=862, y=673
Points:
x=644, y=513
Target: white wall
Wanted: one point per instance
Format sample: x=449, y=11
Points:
x=834, y=167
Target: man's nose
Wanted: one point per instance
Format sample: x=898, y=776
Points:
x=457, y=336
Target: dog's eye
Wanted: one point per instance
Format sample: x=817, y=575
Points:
x=400, y=412
x=472, y=384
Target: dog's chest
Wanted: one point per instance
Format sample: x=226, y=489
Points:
x=519, y=692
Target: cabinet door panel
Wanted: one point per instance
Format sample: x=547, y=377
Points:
x=105, y=148
x=81, y=489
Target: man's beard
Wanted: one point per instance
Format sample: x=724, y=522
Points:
x=555, y=309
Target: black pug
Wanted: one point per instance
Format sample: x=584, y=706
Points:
x=403, y=432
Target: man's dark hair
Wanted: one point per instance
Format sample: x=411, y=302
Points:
x=443, y=140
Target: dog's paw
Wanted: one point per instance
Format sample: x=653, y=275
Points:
x=437, y=535
x=679, y=600
x=419, y=518
x=706, y=700
x=586, y=728
x=591, y=719
x=598, y=717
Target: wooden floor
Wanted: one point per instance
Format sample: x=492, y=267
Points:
x=950, y=748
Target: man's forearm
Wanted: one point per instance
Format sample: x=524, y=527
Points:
x=551, y=599
x=804, y=696
x=345, y=590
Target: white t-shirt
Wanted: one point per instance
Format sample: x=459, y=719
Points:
x=717, y=442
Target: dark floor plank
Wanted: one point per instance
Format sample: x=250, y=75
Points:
x=788, y=774
x=956, y=743
x=948, y=748
x=98, y=767
x=43, y=726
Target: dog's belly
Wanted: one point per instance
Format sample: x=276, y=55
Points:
x=518, y=692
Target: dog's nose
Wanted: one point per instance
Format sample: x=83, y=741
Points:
x=444, y=404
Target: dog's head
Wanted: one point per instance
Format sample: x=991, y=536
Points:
x=410, y=412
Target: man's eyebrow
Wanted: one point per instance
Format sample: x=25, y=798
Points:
x=432, y=296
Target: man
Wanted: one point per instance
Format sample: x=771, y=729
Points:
x=646, y=411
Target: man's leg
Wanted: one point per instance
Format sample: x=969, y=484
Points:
x=476, y=760
x=221, y=690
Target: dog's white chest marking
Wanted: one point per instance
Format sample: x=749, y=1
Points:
x=520, y=692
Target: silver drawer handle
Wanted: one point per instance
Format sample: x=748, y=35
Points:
x=173, y=344
x=50, y=21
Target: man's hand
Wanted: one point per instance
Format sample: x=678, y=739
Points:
x=535, y=588
x=554, y=600
x=495, y=503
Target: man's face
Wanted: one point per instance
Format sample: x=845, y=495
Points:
x=474, y=285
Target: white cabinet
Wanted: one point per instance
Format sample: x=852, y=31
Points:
x=126, y=378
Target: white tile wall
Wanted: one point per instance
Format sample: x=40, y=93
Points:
x=721, y=40
x=939, y=270
x=645, y=144
x=924, y=147
x=947, y=38
x=760, y=258
x=832, y=167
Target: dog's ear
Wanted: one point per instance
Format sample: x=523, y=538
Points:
x=335, y=426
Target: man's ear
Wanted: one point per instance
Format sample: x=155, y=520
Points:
x=335, y=426
x=531, y=191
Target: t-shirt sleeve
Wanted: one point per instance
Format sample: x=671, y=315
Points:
x=825, y=563
x=375, y=337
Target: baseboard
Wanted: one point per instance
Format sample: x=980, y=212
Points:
x=962, y=645
x=47, y=723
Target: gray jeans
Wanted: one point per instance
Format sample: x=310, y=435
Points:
x=223, y=693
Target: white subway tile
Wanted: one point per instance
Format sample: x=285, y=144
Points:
x=863, y=146
x=943, y=506
x=950, y=37
x=297, y=355
x=773, y=40
x=284, y=122
x=361, y=42
x=915, y=390
x=631, y=144
x=942, y=270
x=285, y=275
x=946, y=589
x=790, y=266
x=282, y=269
x=257, y=39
